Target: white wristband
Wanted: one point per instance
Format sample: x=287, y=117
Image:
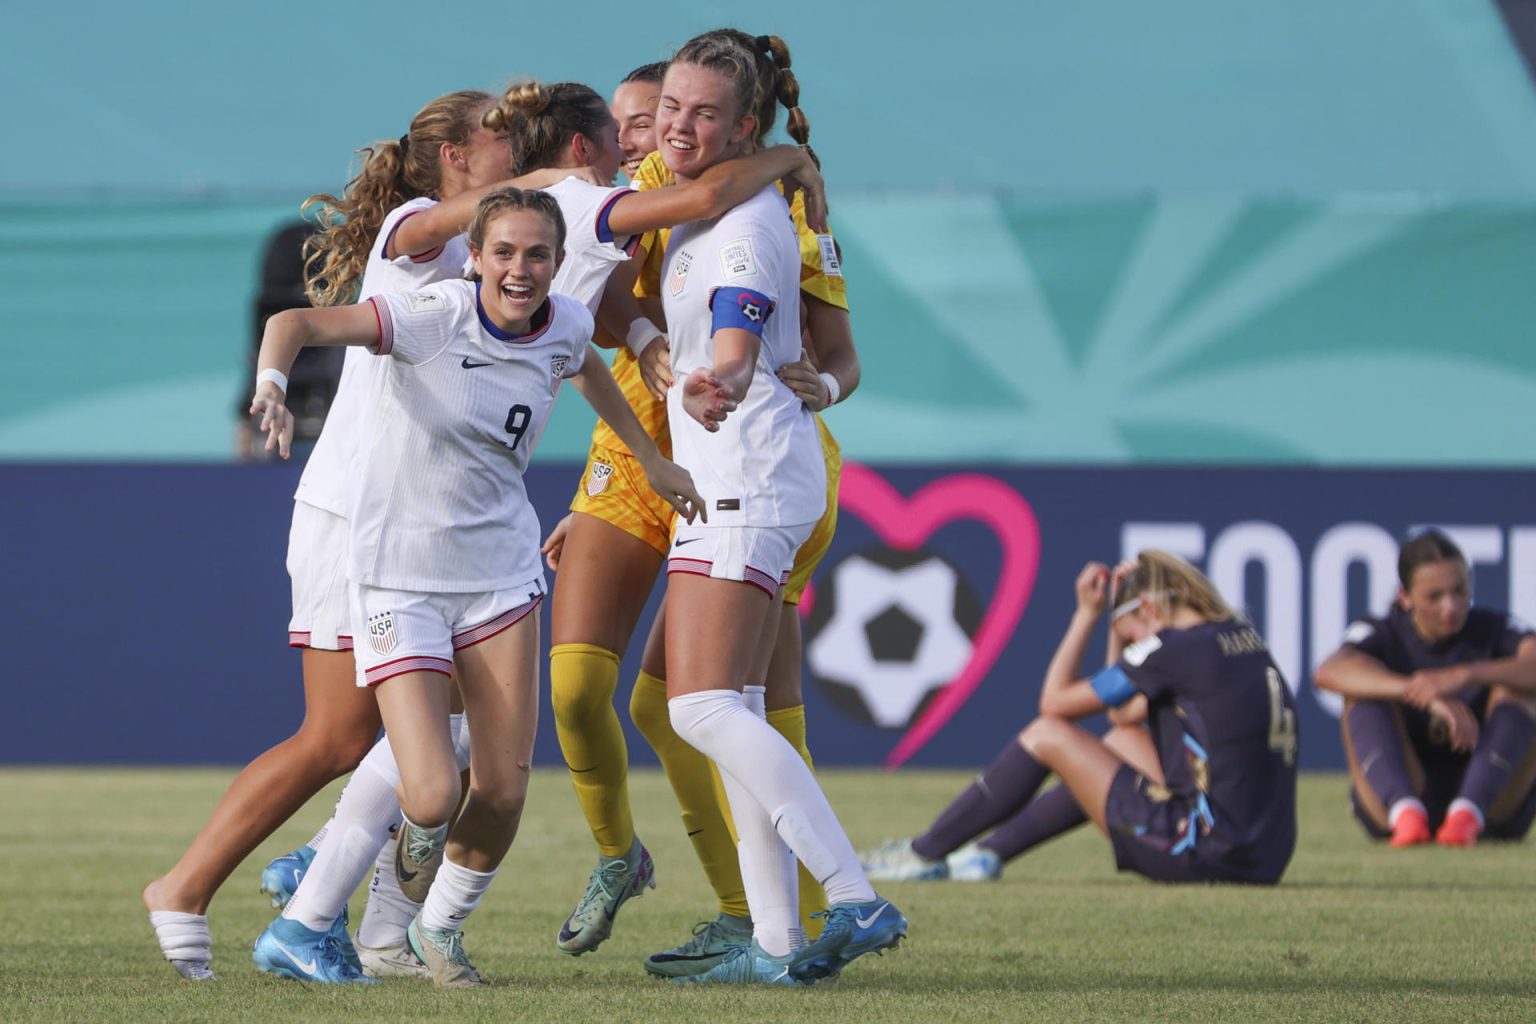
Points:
x=276, y=377
x=641, y=331
x=834, y=389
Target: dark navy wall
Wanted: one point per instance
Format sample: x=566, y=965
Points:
x=146, y=606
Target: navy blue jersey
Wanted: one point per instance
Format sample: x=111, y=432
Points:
x=1393, y=641
x=1225, y=729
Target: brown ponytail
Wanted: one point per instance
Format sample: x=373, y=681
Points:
x=392, y=173
x=542, y=119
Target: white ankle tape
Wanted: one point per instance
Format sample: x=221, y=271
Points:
x=182, y=936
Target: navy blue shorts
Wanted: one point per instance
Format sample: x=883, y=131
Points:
x=1149, y=827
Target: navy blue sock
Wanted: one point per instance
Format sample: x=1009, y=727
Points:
x=1045, y=817
x=1501, y=747
x=1375, y=734
x=997, y=793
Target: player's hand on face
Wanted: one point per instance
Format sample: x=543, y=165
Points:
x=1458, y=721
x=805, y=381
x=656, y=367
x=554, y=544
x=675, y=484
x=276, y=420
x=706, y=399
x=1092, y=588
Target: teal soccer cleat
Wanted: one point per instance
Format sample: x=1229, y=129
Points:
x=614, y=881
x=280, y=879
x=748, y=965
x=852, y=929
x=290, y=950
x=712, y=941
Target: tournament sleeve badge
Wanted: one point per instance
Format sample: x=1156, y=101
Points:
x=737, y=259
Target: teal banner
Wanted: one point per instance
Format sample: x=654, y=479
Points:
x=993, y=329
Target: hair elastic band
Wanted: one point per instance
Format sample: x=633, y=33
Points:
x=1122, y=610
x=405, y=145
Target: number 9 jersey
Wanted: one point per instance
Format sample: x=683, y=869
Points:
x=440, y=502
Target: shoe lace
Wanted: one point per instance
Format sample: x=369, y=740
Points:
x=330, y=955
x=705, y=933
x=420, y=843
x=453, y=948
x=605, y=882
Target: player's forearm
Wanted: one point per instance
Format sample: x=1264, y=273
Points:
x=1517, y=673
x=832, y=340
x=1066, y=665
x=1361, y=677
x=284, y=336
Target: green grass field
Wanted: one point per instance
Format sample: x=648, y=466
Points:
x=1355, y=933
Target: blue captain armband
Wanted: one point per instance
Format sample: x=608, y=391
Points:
x=739, y=307
x=1113, y=686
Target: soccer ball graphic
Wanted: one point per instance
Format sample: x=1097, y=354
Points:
x=888, y=630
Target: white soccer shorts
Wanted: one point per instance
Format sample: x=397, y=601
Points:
x=407, y=631
x=760, y=555
x=317, y=557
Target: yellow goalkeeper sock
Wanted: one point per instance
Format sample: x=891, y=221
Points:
x=582, y=680
x=690, y=774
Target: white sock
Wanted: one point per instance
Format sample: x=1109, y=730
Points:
x=718, y=725
x=1462, y=802
x=185, y=941
x=769, y=872
x=365, y=815
x=319, y=837
x=389, y=910
x=455, y=893
x=1402, y=805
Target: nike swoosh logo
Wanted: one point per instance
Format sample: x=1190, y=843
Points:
x=469, y=365
x=690, y=540
x=307, y=966
x=865, y=922
x=401, y=874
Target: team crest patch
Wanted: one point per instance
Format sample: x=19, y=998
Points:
x=381, y=632
x=597, y=480
x=737, y=259
x=680, y=272
x=557, y=365
x=424, y=302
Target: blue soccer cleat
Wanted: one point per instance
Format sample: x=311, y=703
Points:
x=851, y=930
x=747, y=965
x=290, y=950
x=280, y=879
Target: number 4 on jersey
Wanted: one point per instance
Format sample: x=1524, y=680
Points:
x=1282, y=720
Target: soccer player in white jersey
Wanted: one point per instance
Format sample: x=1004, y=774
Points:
x=563, y=132
x=385, y=233
x=752, y=447
x=595, y=607
x=444, y=548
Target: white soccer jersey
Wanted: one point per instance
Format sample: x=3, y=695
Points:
x=588, y=258
x=328, y=475
x=764, y=466
x=440, y=504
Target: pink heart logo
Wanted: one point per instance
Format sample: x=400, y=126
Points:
x=905, y=523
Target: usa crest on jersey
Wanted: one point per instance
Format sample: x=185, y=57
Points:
x=597, y=480
x=680, y=272
x=557, y=365
x=381, y=632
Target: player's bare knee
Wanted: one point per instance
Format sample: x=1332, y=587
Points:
x=430, y=802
